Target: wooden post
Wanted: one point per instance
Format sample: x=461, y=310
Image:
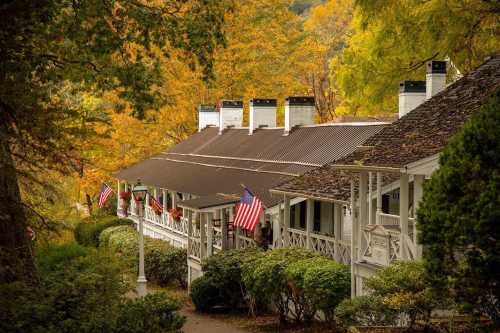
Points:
x=223, y=227
x=147, y=199
x=370, y=201
x=354, y=236
x=174, y=199
x=164, y=194
x=210, y=233
x=418, y=182
x=403, y=215
x=337, y=229
x=379, y=198
x=118, y=205
x=286, y=224
x=363, y=209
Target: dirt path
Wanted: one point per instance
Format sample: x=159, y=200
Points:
x=197, y=323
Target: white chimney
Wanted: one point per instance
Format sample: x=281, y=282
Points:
x=411, y=95
x=230, y=114
x=207, y=116
x=436, y=77
x=299, y=110
x=262, y=114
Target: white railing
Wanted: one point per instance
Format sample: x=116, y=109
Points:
x=297, y=238
x=323, y=244
x=217, y=238
x=381, y=248
x=166, y=221
x=245, y=242
x=344, y=249
x=194, y=248
x=389, y=219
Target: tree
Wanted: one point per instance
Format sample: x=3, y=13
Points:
x=51, y=50
x=392, y=40
x=459, y=214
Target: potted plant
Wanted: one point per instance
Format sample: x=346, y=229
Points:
x=125, y=198
x=176, y=213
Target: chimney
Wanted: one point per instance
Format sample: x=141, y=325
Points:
x=299, y=110
x=436, y=77
x=230, y=114
x=411, y=95
x=262, y=114
x=207, y=115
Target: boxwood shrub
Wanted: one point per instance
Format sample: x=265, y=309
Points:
x=87, y=232
x=163, y=263
x=205, y=294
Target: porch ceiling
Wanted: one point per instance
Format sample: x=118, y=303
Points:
x=210, y=201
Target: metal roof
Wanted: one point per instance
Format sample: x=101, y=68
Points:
x=208, y=163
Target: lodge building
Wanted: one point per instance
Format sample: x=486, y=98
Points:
x=346, y=190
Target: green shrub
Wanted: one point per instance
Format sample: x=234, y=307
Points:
x=88, y=231
x=205, y=294
x=154, y=313
x=163, y=263
x=265, y=279
x=224, y=268
x=53, y=257
x=364, y=311
x=316, y=284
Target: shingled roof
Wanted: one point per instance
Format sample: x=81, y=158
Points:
x=422, y=133
x=207, y=163
x=426, y=130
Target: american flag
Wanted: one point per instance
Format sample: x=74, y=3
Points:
x=106, y=192
x=248, y=211
x=156, y=205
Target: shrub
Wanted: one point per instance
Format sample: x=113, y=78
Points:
x=205, y=294
x=224, y=268
x=364, y=311
x=163, y=263
x=459, y=214
x=406, y=290
x=54, y=257
x=154, y=313
x=87, y=232
x=265, y=279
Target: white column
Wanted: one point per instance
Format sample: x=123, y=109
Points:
x=155, y=193
x=354, y=236
x=370, y=204
x=379, y=197
x=118, y=206
x=337, y=229
x=210, y=232
x=403, y=215
x=141, y=279
x=147, y=199
x=223, y=228
x=286, y=224
x=277, y=229
x=174, y=199
x=363, y=209
x=203, y=235
x=309, y=222
x=418, y=182
x=164, y=194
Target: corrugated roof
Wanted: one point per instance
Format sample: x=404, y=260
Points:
x=208, y=163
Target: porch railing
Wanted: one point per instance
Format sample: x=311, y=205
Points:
x=297, y=238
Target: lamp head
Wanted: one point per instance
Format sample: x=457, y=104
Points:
x=140, y=191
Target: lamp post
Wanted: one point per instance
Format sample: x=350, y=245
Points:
x=140, y=191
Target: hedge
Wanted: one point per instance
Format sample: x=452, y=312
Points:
x=87, y=232
x=163, y=263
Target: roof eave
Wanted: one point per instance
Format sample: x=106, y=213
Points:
x=308, y=196
x=356, y=167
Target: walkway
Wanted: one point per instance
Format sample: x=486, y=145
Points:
x=196, y=323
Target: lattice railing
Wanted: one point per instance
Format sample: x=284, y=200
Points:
x=323, y=244
x=245, y=242
x=297, y=238
x=344, y=249
x=194, y=248
x=217, y=238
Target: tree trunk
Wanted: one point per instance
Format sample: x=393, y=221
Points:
x=16, y=259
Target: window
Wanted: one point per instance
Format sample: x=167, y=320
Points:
x=385, y=203
x=317, y=216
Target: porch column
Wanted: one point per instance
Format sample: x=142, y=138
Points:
x=418, y=182
x=210, y=232
x=155, y=192
x=223, y=228
x=337, y=230
x=277, y=228
x=354, y=235
x=403, y=215
x=286, y=221
x=363, y=210
x=147, y=198
x=118, y=206
x=309, y=223
x=379, y=197
x=370, y=204
x=203, y=235
x=174, y=199
x=164, y=203
x=190, y=229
